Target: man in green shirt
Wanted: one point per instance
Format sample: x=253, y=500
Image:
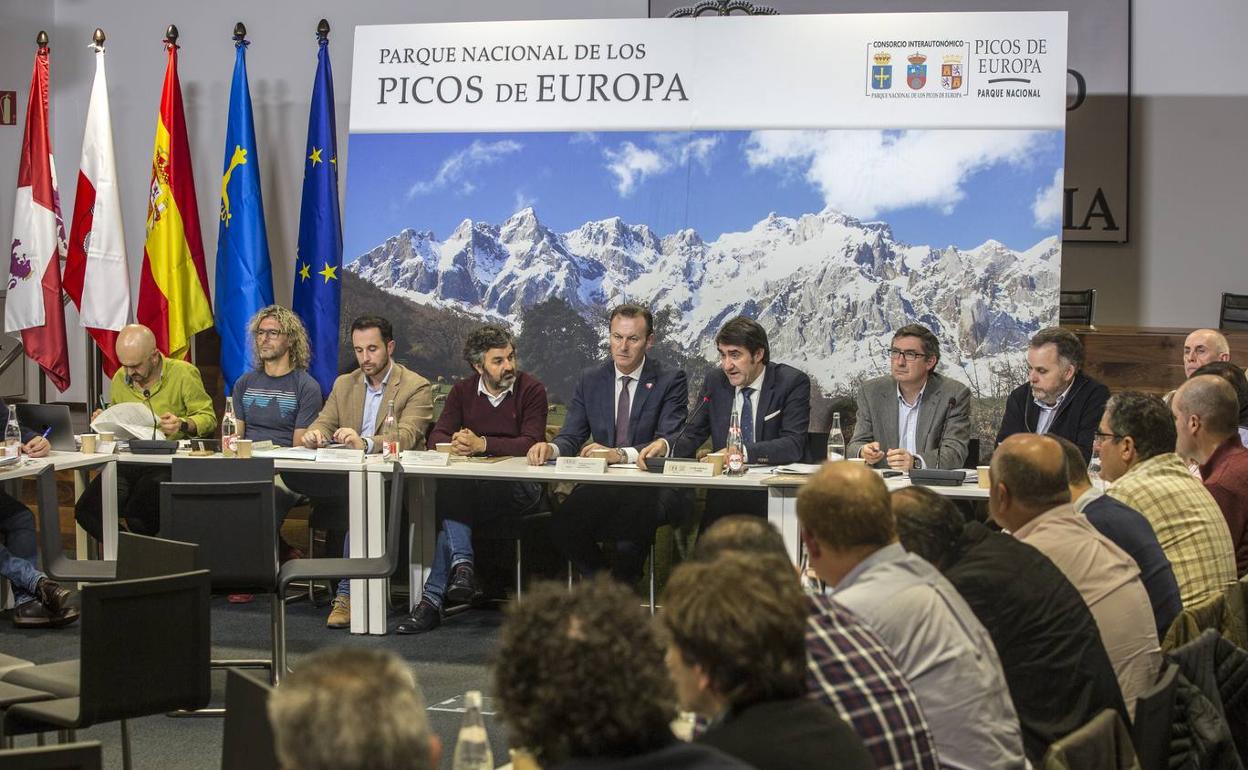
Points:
x=181, y=408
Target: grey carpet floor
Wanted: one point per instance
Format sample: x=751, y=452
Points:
x=447, y=662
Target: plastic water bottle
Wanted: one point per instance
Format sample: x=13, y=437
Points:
x=229, y=429
x=472, y=750
x=1094, y=468
x=12, y=434
x=734, y=457
x=390, y=434
x=836, y=439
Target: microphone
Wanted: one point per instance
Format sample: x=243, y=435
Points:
x=655, y=464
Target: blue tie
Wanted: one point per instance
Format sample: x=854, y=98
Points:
x=747, y=417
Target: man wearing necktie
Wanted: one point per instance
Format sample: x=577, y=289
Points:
x=773, y=404
x=620, y=406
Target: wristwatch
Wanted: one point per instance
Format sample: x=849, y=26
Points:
x=186, y=426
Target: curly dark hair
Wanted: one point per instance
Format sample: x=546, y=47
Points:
x=581, y=674
x=483, y=340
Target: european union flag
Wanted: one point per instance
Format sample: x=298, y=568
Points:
x=317, y=288
x=244, y=275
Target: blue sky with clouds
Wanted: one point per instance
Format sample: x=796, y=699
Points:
x=957, y=187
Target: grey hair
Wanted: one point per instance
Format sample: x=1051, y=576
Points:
x=484, y=339
x=351, y=709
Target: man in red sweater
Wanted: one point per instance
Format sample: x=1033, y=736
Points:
x=1206, y=419
x=499, y=411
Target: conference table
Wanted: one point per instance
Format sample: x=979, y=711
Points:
x=781, y=489
x=81, y=464
x=366, y=482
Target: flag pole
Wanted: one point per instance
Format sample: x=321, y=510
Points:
x=41, y=42
x=95, y=362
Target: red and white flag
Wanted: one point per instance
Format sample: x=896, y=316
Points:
x=96, y=276
x=33, y=305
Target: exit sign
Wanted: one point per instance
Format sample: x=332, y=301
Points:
x=8, y=108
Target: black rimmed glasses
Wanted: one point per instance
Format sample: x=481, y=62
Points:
x=909, y=355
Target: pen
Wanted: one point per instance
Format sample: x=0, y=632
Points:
x=46, y=431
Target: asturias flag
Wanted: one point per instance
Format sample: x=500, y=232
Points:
x=96, y=276
x=33, y=304
x=244, y=275
x=173, y=287
x=318, y=291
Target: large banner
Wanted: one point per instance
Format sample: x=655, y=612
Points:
x=835, y=177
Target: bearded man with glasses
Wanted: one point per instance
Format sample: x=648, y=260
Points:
x=912, y=417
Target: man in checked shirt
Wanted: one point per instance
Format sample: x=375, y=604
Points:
x=847, y=666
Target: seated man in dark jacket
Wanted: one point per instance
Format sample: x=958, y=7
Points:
x=736, y=651
x=581, y=684
x=1058, y=398
x=1056, y=667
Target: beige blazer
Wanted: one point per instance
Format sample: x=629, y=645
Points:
x=413, y=405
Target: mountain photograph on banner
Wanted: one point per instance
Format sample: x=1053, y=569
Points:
x=831, y=239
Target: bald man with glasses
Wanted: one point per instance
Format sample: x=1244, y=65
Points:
x=913, y=417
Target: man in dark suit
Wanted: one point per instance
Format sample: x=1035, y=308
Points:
x=912, y=417
x=619, y=406
x=1058, y=397
x=773, y=404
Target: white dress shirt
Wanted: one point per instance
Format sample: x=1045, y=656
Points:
x=908, y=423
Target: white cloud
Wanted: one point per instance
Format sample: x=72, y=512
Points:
x=584, y=137
x=631, y=164
x=453, y=169
x=864, y=173
x=523, y=201
x=1047, y=207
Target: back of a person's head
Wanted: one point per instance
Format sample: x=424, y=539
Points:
x=845, y=506
x=1146, y=419
x=1033, y=468
x=928, y=524
x=1076, y=466
x=352, y=709
x=1233, y=374
x=1212, y=399
x=740, y=533
x=580, y=673
x=741, y=618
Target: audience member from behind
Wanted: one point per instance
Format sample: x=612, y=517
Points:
x=582, y=684
x=173, y=391
x=1030, y=498
x=1206, y=414
x=946, y=654
x=1137, y=441
x=847, y=666
x=1058, y=398
x=352, y=709
x=1131, y=532
x=1055, y=664
x=736, y=652
x=1233, y=374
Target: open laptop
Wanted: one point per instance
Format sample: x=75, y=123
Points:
x=40, y=417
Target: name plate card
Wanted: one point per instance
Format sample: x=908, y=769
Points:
x=432, y=458
x=688, y=468
x=328, y=455
x=581, y=464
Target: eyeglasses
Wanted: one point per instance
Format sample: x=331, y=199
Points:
x=269, y=333
x=1099, y=437
x=909, y=355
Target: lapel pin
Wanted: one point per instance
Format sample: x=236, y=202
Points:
x=649, y=385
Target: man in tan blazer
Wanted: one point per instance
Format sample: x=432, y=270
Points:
x=353, y=415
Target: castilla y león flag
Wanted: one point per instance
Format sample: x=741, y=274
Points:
x=173, y=287
x=96, y=276
x=33, y=304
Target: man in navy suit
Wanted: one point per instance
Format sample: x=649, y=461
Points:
x=773, y=404
x=621, y=406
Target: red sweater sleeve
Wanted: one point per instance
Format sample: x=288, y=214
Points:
x=451, y=419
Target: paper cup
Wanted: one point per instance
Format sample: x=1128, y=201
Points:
x=105, y=436
x=602, y=454
x=982, y=473
x=88, y=443
x=444, y=446
x=242, y=448
x=857, y=460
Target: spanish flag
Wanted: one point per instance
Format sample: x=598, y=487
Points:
x=173, y=288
